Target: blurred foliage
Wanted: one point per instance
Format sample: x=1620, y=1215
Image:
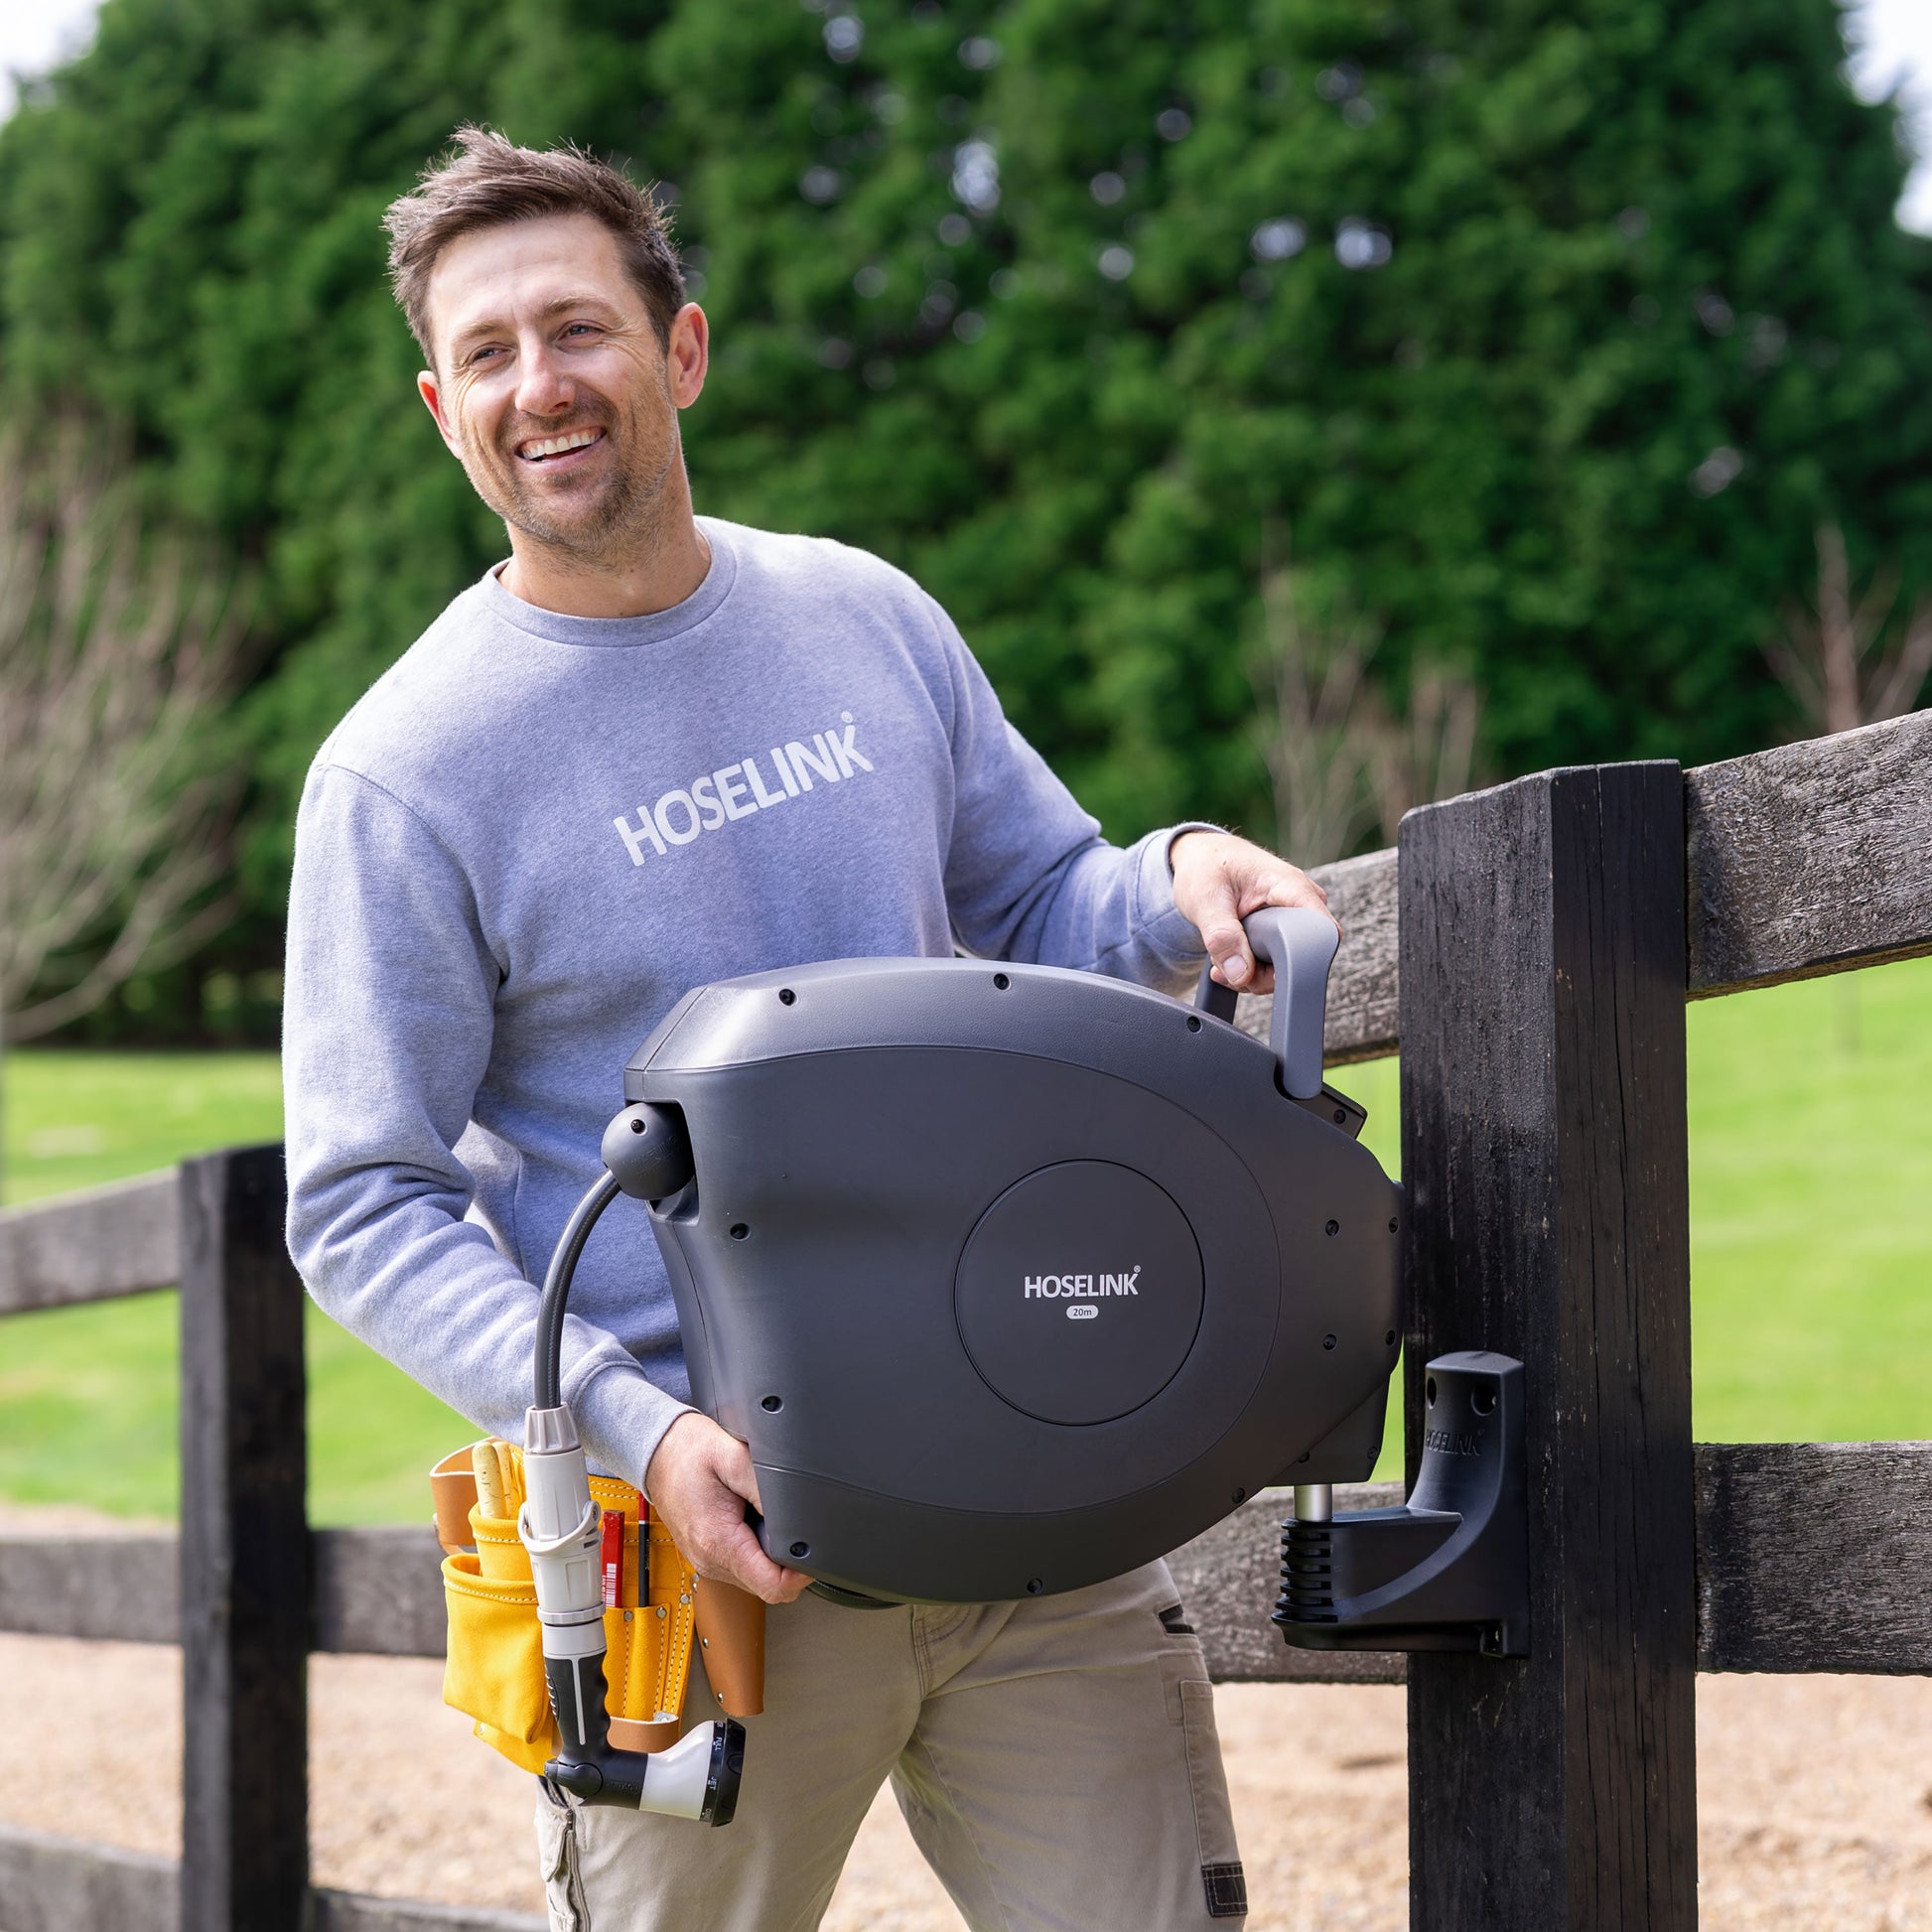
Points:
x=1548, y=331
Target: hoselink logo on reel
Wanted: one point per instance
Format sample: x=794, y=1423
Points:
x=1081, y=1290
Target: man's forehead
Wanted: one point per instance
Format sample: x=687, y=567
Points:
x=542, y=264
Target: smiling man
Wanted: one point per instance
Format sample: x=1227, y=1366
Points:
x=647, y=750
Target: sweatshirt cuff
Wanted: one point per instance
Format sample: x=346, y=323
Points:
x=621, y=1417
x=1172, y=936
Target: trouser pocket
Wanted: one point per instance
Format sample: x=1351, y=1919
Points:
x=558, y=1863
x=1191, y=1706
x=1222, y=1878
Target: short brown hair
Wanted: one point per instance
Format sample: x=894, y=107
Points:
x=488, y=182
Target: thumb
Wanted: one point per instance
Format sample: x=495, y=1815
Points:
x=736, y=1471
x=1226, y=942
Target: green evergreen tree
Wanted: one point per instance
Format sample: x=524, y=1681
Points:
x=1549, y=334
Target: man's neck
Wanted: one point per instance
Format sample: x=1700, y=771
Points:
x=653, y=575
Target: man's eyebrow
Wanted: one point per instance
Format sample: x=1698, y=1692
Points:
x=498, y=324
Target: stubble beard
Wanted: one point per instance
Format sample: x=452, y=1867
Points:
x=588, y=529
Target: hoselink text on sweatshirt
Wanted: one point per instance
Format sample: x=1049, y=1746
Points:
x=536, y=832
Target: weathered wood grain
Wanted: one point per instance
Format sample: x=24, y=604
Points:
x=63, y=1884
x=1809, y=858
x=123, y=1589
x=1814, y=1557
x=379, y=1592
x=1228, y=1580
x=1361, y=1018
x=89, y=1246
x=1544, y=1148
x=244, y=1551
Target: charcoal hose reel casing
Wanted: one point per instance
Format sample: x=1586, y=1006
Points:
x=1014, y=1278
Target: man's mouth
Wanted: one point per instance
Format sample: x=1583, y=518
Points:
x=546, y=449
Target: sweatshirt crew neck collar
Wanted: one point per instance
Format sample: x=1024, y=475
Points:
x=606, y=633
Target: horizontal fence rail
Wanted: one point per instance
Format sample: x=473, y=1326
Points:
x=1813, y=858
x=1810, y=1557
x=62, y=1884
x=122, y=1239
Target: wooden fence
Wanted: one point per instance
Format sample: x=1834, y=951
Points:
x=1549, y=933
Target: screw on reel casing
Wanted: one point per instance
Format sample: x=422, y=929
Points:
x=1447, y=1569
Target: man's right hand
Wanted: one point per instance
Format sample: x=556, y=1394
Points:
x=699, y=1480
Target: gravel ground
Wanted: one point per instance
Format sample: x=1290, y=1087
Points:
x=1815, y=1794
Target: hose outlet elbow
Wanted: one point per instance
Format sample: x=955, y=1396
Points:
x=648, y=1152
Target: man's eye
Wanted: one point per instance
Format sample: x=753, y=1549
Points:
x=483, y=354
x=581, y=329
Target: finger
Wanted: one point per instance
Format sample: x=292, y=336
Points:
x=1298, y=888
x=753, y=1569
x=795, y=1584
x=736, y=1556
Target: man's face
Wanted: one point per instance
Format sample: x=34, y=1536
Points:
x=550, y=385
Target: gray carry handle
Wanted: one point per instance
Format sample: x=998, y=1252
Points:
x=1299, y=943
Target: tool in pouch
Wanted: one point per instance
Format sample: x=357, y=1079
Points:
x=570, y=1572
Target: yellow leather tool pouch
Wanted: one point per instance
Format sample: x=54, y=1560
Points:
x=493, y=1672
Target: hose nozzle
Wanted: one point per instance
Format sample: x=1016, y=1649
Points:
x=697, y=1777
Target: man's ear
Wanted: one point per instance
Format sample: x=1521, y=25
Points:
x=428, y=388
x=687, y=355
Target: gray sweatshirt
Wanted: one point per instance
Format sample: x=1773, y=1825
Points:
x=536, y=832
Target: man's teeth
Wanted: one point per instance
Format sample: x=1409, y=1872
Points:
x=557, y=444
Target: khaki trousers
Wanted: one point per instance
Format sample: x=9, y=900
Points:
x=1056, y=1758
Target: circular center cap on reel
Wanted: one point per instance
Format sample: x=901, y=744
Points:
x=1079, y=1291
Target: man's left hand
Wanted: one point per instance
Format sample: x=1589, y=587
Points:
x=1218, y=880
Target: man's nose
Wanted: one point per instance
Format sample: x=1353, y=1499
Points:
x=543, y=388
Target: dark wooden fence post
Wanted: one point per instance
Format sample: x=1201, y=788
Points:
x=245, y=1552
x=1542, y=1131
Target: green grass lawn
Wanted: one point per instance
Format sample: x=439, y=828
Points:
x=1811, y=1209
x=88, y=1395
x=1811, y=1251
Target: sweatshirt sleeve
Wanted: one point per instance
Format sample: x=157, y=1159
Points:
x=1028, y=876
x=388, y=1022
